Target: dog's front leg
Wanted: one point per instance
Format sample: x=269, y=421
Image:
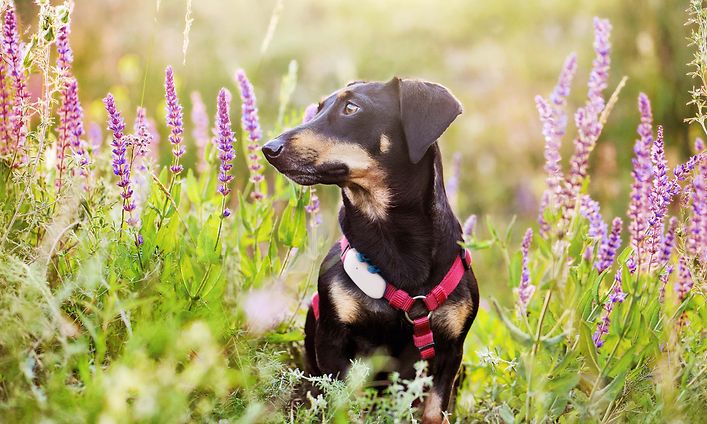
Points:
x=444, y=370
x=333, y=346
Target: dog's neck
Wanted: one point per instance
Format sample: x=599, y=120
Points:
x=416, y=243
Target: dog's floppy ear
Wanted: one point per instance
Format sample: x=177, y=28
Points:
x=426, y=110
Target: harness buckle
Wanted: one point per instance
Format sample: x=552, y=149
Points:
x=414, y=298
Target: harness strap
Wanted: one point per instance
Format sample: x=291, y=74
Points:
x=400, y=299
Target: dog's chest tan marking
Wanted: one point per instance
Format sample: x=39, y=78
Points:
x=346, y=305
x=451, y=317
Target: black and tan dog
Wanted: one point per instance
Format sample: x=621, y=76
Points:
x=378, y=142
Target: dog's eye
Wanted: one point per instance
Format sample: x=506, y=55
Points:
x=350, y=108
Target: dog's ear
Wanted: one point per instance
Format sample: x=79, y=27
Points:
x=426, y=111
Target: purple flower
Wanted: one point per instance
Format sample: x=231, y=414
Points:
x=452, y=187
x=668, y=241
x=121, y=164
x=554, y=120
x=639, y=206
x=265, y=308
x=468, y=227
x=4, y=110
x=685, y=283
x=313, y=209
x=251, y=124
x=616, y=295
x=664, y=276
x=587, y=118
x=310, y=112
x=659, y=197
x=224, y=141
x=696, y=243
x=631, y=265
x=525, y=289
x=200, y=119
x=174, y=120
x=141, y=147
x=18, y=117
x=70, y=132
x=143, y=137
x=699, y=145
x=95, y=136
x=65, y=55
x=609, y=245
x=226, y=212
x=589, y=208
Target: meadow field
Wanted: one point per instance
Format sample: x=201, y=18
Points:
x=155, y=268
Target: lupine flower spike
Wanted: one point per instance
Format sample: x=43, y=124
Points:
x=18, y=116
x=224, y=140
x=310, y=112
x=468, y=228
x=175, y=123
x=664, y=276
x=251, y=125
x=696, y=244
x=639, y=209
x=142, y=140
x=610, y=244
x=525, y=289
x=587, y=118
x=685, y=283
x=121, y=163
x=615, y=296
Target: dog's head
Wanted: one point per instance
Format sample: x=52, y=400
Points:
x=363, y=134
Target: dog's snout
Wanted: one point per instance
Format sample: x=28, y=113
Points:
x=273, y=148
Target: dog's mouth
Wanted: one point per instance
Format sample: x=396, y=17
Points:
x=334, y=173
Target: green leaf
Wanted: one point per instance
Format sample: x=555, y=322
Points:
x=626, y=360
x=193, y=193
x=587, y=347
x=289, y=337
x=516, y=332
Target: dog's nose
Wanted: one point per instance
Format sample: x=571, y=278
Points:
x=273, y=148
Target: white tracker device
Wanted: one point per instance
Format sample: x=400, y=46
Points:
x=370, y=283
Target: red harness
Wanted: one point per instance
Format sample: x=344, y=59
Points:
x=400, y=299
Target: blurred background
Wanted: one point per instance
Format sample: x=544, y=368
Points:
x=494, y=55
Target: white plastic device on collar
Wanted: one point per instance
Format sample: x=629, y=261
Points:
x=369, y=282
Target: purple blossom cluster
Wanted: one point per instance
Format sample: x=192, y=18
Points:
x=70, y=128
x=468, y=227
x=642, y=173
x=200, y=120
x=175, y=122
x=310, y=112
x=141, y=141
x=65, y=55
x=684, y=283
x=587, y=118
x=313, y=209
x=616, y=295
x=664, y=276
x=251, y=125
x=224, y=143
x=554, y=119
x=609, y=246
x=16, y=129
x=121, y=163
x=452, y=186
x=525, y=289
x=696, y=244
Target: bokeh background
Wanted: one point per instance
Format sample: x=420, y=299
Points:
x=494, y=55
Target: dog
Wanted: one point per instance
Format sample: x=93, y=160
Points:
x=377, y=141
